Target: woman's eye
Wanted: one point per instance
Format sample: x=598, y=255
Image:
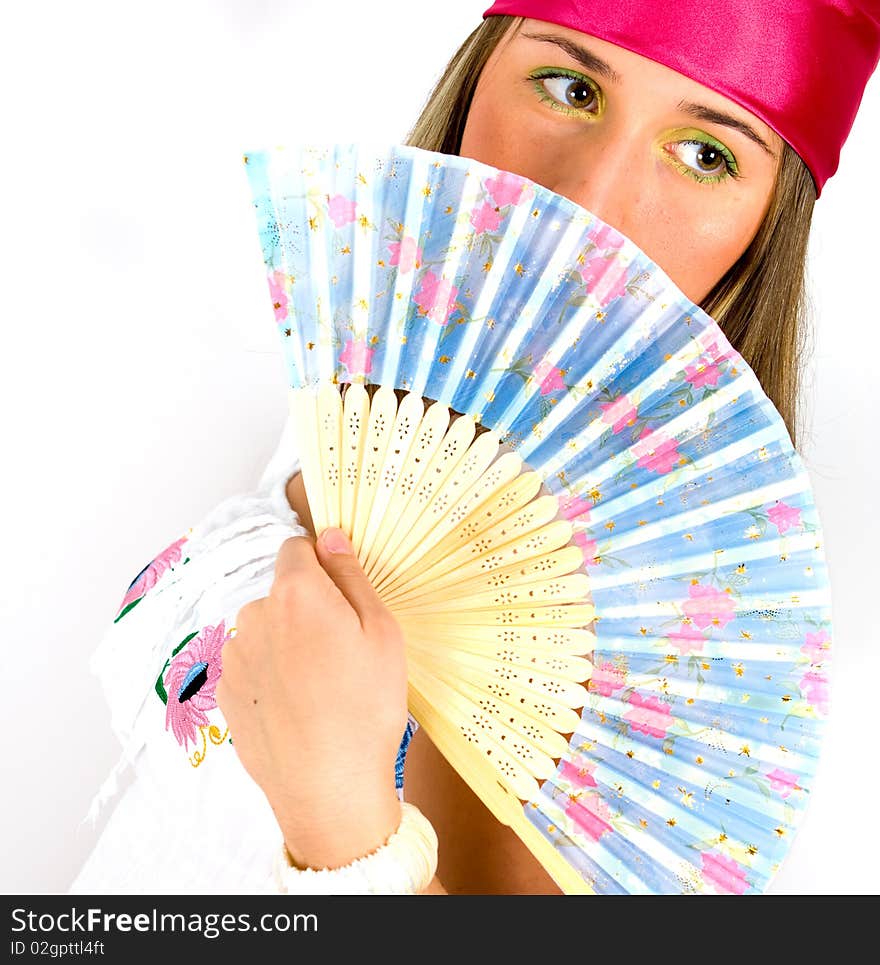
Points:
x=705, y=159
x=573, y=93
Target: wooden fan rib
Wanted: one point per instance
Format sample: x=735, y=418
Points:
x=329, y=410
x=536, y=732
x=571, y=589
x=526, y=699
x=459, y=461
x=383, y=411
x=490, y=571
x=503, y=805
x=355, y=415
x=492, y=498
x=429, y=438
x=539, y=639
x=304, y=408
x=458, y=664
x=574, y=668
x=506, y=544
x=574, y=616
x=466, y=721
x=404, y=430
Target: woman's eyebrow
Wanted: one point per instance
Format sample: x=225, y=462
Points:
x=712, y=116
x=583, y=56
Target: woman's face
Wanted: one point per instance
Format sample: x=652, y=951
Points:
x=681, y=170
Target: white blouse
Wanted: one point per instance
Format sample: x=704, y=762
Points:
x=192, y=820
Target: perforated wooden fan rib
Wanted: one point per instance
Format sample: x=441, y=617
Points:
x=478, y=569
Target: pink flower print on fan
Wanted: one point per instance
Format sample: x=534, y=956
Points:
x=357, y=357
x=709, y=344
x=575, y=507
x=590, y=814
x=578, y=774
x=708, y=607
x=605, y=278
x=783, y=782
x=784, y=517
x=815, y=690
x=486, y=218
x=650, y=715
x=587, y=547
x=687, y=638
x=607, y=677
x=817, y=646
x=149, y=575
x=723, y=873
x=606, y=238
x=341, y=210
x=505, y=188
x=619, y=414
x=278, y=295
x=436, y=297
x=549, y=378
x=405, y=254
x=191, y=681
x=655, y=451
x=703, y=372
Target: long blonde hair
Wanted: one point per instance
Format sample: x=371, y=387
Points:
x=760, y=304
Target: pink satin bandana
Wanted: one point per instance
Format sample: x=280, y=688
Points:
x=801, y=66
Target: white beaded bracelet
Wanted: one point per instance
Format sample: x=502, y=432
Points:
x=404, y=865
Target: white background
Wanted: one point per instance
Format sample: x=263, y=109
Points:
x=142, y=381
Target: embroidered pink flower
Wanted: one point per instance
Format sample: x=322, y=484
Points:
x=357, y=357
x=817, y=646
x=590, y=814
x=618, y=414
x=486, y=218
x=149, y=575
x=405, y=254
x=278, y=295
x=655, y=451
x=708, y=607
x=607, y=238
x=702, y=372
x=723, y=873
x=607, y=677
x=688, y=639
x=190, y=683
x=783, y=782
x=341, y=210
x=783, y=516
x=575, y=507
x=650, y=715
x=549, y=378
x=815, y=689
x=605, y=278
x=579, y=774
x=505, y=188
x=436, y=297
x=587, y=547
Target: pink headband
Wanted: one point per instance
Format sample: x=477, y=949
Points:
x=801, y=66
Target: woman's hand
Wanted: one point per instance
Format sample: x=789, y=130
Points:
x=314, y=692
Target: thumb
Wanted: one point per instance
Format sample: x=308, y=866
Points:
x=336, y=555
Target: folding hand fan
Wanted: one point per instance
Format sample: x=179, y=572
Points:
x=559, y=457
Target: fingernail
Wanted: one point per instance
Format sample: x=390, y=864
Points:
x=336, y=541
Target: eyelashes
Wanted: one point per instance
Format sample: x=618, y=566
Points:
x=694, y=153
x=568, y=91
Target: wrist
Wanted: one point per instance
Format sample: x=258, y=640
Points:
x=404, y=865
x=340, y=832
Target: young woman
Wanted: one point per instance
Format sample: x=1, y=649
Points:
x=684, y=137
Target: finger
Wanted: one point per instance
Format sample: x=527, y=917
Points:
x=296, y=558
x=337, y=557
